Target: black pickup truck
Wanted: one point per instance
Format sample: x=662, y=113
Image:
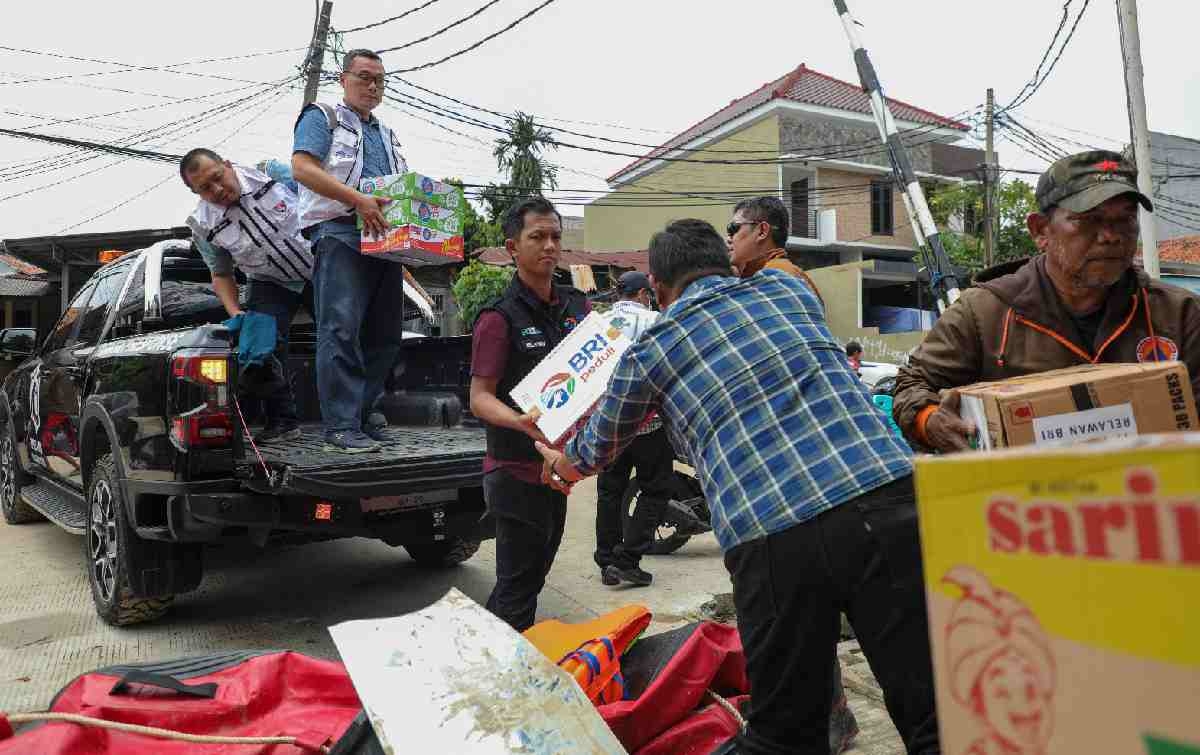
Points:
x=125, y=427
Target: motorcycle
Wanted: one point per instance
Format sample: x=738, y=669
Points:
x=686, y=513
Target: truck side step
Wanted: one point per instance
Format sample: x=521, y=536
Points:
x=56, y=505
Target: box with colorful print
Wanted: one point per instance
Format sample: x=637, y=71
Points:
x=414, y=245
x=568, y=382
x=414, y=186
x=1078, y=404
x=1062, y=587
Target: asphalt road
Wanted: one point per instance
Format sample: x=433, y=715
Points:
x=286, y=597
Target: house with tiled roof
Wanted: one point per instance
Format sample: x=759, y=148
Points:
x=810, y=139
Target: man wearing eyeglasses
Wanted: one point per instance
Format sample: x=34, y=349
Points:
x=359, y=324
x=757, y=238
x=1080, y=301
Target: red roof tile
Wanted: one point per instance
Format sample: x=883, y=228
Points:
x=1183, y=249
x=802, y=85
x=20, y=265
x=640, y=260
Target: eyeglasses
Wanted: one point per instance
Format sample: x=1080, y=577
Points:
x=733, y=227
x=366, y=78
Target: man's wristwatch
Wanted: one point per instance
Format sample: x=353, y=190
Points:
x=554, y=475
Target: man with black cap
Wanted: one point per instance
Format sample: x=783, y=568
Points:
x=622, y=541
x=1080, y=301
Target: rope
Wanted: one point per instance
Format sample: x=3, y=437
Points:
x=150, y=731
x=238, y=406
x=729, y=708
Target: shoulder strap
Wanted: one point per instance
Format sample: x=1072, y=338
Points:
x=331, y=118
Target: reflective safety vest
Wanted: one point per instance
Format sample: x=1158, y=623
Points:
x=261, y=230
x=344, y=162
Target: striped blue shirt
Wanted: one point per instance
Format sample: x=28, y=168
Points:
x=755, y=389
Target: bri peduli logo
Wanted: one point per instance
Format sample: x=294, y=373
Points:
x=616, y=327
x=558, y=390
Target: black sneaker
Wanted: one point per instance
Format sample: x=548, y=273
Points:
x=277, y=432
x=609, y=578
x=350, y=442
x=375, y=427
x=634, y=575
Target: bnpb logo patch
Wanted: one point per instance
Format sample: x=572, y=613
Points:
x=557, y=390
x=1157, y=349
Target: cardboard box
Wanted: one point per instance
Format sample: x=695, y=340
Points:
x=426, y=216
x=1062, y=588
x=414, y=186
x=414, y=245
x=1078, y=404
x=569, y=381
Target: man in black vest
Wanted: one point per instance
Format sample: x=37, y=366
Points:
x=511, y=336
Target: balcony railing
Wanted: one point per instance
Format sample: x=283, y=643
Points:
x=804, y=223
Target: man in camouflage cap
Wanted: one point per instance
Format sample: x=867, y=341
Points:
x=1080, y=301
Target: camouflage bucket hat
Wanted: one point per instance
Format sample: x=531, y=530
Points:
x=1083, y=181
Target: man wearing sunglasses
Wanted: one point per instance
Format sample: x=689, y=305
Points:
x=757, y=238
x=358, y=298
x=1080, y=301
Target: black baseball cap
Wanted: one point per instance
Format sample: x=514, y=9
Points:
x=1085, y=180
x=632, y=282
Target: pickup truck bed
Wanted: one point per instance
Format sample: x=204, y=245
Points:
x=415, y=459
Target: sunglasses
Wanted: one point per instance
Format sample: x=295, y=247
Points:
x=733, y=227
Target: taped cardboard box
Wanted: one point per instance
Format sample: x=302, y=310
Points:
x=1077, y=404
x=1062, y=587
x=426, y=219
x=568, y=382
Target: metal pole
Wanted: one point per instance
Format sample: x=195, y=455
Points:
x=1139, y=128
x=941, y=274
x=989, y=186
x=316, y=53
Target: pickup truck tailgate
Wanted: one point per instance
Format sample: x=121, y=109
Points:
x=415, y=459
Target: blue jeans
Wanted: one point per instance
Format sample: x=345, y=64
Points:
x=281, y=303
x=359, y=327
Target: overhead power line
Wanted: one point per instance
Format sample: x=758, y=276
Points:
x=442, y=30
x=130, y=66
x=475, y=46
x=1039, y=77
x=381, y=22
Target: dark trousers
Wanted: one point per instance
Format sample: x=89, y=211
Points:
x=529, y=527
x=280, y=302
x=623, y=541
x=359, y=328
x=862, y=558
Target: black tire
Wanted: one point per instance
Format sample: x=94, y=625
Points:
x=12, y=477
x=666, y=540
x=107, y=548
x=443, y=553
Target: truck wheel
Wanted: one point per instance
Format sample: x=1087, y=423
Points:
x=108, y=543
x=444, y=553
x=15, y=510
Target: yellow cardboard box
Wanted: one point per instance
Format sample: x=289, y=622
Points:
x=1063, y=588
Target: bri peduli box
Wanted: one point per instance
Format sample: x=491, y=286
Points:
x=1082, y=403
x=568, y=382
x=426, y=219
x=1063, y=588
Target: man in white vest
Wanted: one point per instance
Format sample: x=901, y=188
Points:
x=359, y=299
x=249, y=219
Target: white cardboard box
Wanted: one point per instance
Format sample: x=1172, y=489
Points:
x=574, y=375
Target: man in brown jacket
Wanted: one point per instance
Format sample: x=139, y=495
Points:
x=1080, y=301
x=757, y=238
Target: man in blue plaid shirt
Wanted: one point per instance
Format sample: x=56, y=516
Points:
x=811, y=493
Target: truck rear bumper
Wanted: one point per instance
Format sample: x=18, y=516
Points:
x=221, y=511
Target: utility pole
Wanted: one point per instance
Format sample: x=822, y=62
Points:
x=1139, y=129
x=941, y=273
x=316, y=53
x=989, y=185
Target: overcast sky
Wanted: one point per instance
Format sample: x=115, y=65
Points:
x=640, y=70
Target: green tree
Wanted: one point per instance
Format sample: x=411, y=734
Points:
x=520, y=155
x=476, y=285
x=478, y=231
x=1015, y=200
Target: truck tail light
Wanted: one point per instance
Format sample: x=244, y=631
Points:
x=202, y=416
